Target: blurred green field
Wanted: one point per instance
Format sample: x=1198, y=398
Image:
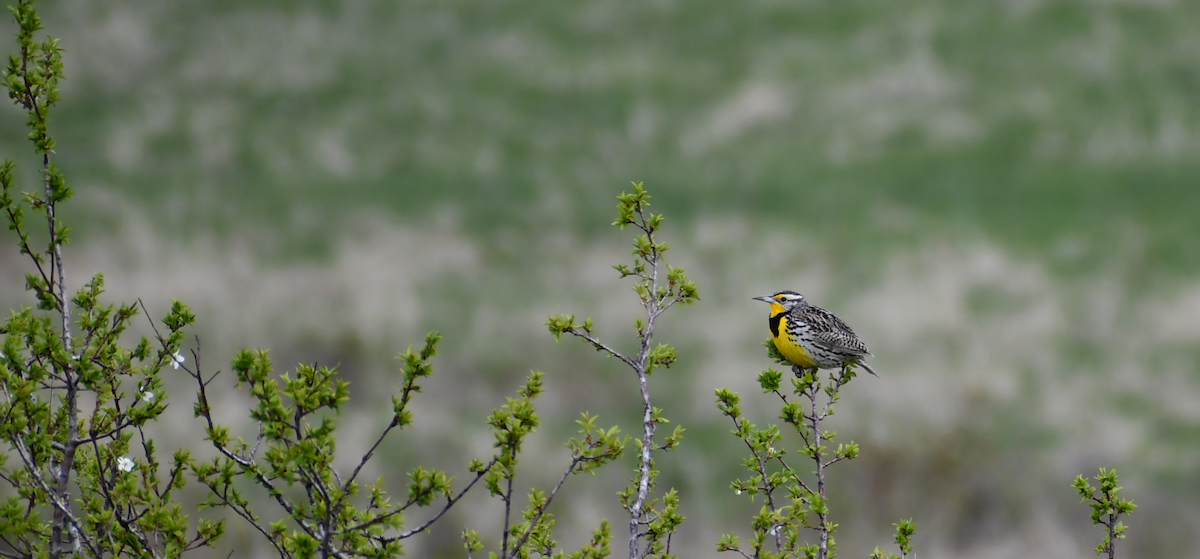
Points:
x=1000, y=196
x=1028, y=120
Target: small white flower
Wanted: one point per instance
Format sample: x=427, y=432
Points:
x=177, y=359
x=125, y=464
x=739, y=491
x=147, y=396
x=774, y=530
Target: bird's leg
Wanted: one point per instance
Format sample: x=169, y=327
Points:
x=798, y=371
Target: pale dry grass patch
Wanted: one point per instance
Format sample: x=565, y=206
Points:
x=953, y=323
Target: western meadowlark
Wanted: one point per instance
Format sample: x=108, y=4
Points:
x=811, y=337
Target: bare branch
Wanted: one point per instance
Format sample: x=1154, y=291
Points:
x=449, y=503
x=602, y=347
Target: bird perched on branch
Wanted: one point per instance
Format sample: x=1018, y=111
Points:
x=811, y=337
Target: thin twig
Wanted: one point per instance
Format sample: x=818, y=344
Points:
x=245, y=514
x=507, y=498
x=426, y=525
x=534, y=522
x=370, y=452
x=595, y=342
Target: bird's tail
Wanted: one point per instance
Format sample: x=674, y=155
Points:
x=864, y=365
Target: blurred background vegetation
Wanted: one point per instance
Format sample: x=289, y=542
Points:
x=1000, y=196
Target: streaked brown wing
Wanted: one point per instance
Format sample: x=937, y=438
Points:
x=831, y=333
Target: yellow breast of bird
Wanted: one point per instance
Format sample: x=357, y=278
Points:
x=787, y=345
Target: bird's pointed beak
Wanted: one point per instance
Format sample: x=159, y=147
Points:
x=766, y=299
